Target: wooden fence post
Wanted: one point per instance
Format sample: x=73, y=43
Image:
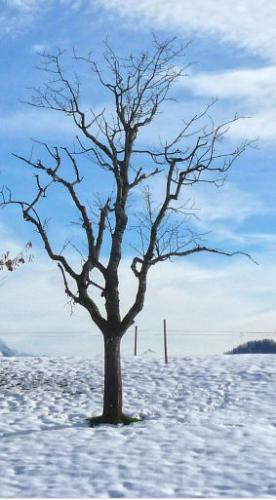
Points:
x=165, y=342
x=135, y=340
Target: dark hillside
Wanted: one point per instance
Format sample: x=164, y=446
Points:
x=264, y=346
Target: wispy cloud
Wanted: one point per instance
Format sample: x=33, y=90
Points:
x=39, y=48
x=24, y=5
x=252, y=91
x=210, y=292
x=255, y=85
x=229, y=203
x=75, y=5
x=261, y=125
x=248, y=23
x=17, y=15
x=35, y=123
x=222, y=213
x=196, y=290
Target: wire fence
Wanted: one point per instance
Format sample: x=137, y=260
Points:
x=180, y=342
x=138, y=341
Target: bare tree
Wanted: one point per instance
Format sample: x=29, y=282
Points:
x=138, y=86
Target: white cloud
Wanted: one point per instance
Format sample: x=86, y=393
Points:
x=17, y=15
x=255, y=85
x=35, y=124
x=228, y=204
x=248, y=23
x=251, y=92
x=261, y=125
x=75, y=5
x=39, y=47
x=223, y=294
x=23, y=5
x=221, y=213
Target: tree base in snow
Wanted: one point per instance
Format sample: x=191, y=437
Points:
x=123, y=420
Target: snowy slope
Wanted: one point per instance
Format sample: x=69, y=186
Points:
x=209, y=429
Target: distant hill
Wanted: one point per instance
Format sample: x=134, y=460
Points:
x=5, y=350
x=264, y=346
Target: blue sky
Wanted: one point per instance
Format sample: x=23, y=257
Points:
x=233, y=51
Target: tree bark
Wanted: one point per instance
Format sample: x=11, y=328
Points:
x=113, y=401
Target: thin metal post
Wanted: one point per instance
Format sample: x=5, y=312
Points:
x=135, y=340
x=165, y=342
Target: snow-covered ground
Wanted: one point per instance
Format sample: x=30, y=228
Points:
x=209, y=428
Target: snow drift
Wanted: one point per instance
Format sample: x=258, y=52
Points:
x=209, y=429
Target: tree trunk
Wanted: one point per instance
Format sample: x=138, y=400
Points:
x=113, y=401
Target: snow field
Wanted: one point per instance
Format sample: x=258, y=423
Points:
x=209, y=428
